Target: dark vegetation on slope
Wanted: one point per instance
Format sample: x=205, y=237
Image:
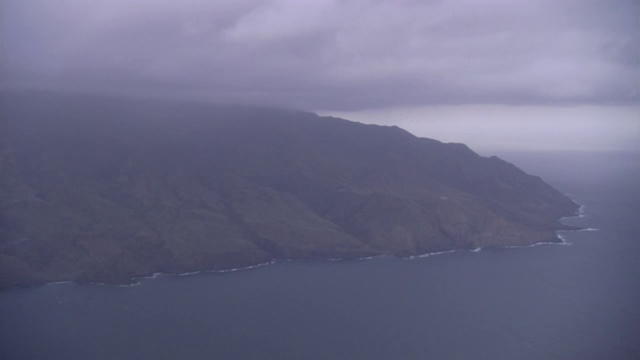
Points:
x=104, y=189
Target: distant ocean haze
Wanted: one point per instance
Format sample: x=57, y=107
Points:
x=496, y=129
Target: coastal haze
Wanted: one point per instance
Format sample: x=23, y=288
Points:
x=499, y=129
x=99, y=98
x=492, y=74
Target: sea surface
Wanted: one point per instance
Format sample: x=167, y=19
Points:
x=579, y=300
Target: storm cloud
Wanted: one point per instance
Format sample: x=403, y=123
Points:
x=330, y=55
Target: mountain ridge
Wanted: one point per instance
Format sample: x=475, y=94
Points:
x=103, y=189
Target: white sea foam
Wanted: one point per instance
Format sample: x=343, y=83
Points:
x=579, y=213
x=242, y=268
x=563, y=240
x=581, y=210
x=189, y=273
x=59, y=282
x=152, y=276
x=431, y=254
x=589, y=229
x=125, y=285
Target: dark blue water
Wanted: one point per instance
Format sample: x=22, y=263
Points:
x=580, y=301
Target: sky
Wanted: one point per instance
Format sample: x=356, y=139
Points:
x=491, y=73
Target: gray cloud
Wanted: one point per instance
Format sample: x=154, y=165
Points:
x=330, y=54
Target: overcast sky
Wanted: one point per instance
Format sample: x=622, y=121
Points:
x=397, y=58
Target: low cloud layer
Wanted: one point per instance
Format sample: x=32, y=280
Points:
x=330, y=55
x=492, y=129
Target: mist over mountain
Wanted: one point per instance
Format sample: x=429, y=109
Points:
x=106, y=189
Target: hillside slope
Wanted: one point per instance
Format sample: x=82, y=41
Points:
x=104, y=190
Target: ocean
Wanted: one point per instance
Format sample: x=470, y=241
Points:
x=576, y=300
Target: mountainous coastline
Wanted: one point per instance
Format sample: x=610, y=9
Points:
x=103, y=189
